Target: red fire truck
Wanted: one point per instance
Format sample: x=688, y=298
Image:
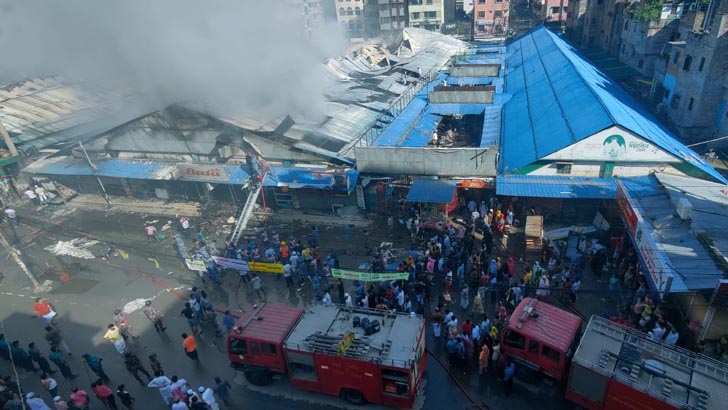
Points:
x=362, y=356
x=541, y=338
x=611, y=367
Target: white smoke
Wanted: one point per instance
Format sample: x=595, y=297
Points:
x=229, y=55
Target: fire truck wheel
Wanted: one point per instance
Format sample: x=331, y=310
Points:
x=353, y=396
x=258, y=377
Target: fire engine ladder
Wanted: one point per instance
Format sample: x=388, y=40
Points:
x=247, y=211
x=639, y=340
x=320, y=342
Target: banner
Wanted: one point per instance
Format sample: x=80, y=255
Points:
x=266, y=267
x=196, y=265
x=368, y=276
x=236, y=264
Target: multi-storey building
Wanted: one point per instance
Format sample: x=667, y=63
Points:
x=427, y=14
x=691, y=78
x=490, y=18
x=551, y=10
x=311, y=12
x=350, y=15
x=641, y=42
x=392, y=16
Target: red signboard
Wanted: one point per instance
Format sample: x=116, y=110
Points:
x=630, y=216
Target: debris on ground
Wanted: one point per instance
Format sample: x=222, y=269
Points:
x=78, y=248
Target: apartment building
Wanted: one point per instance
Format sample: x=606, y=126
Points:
x=392, y=16
x=642, y=42
x=427, y=14
x=490, y=18
x=691, y=78
x=311, y=12
x=551, y=10
x=350, y=15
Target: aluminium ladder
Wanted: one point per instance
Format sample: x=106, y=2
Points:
x=247, y=211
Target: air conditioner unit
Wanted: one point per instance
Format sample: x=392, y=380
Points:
x=684, y=209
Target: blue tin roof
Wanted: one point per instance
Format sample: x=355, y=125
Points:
x=469, y=80
x=455, y=109
x=401, y=125
x=112, y=168
x=559, y=98
x=432, y=191
x=551, y=186
x=312, y=178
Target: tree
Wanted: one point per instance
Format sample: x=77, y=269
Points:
x=649, y=10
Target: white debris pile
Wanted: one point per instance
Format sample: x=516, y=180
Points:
x=133, y=306
x=78, y=248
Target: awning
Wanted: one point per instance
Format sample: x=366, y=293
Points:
x=538, y=186
x=432, y=191
x=110, y=168
x=553, y=186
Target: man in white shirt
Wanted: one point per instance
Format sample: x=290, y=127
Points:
x=32, y=196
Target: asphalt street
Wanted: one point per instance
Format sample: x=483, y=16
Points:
x=153, y=271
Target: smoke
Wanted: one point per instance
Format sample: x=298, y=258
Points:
x=229, y=56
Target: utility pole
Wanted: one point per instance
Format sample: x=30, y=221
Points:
x=15, y=254
x=95, y=170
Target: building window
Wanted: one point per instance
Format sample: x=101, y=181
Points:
x=701, y=65
x=690, y=104
x=563, y=168
x=384, y=20
x=481, y=14
x=416, y=15
x=499, y=1
x=626, y=25
x=687, y=63
x=357, y=11
x=499, y=13
x=430, y=14
x=342, y=12
x=428, y=2
x=640, y=63
x=349, y=11
x=481, y=1
x=675, y=103
x=675, y=56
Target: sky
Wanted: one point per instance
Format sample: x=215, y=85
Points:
x=228, y=56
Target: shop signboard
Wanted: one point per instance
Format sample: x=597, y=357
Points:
x=203, y=172
x=266, y=267
x=368, y=276
x=195, y=265
x=236, y=264
x=628, y=212
x=654, y=260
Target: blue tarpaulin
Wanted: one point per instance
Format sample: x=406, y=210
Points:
x=312, y=178
x=432, y=191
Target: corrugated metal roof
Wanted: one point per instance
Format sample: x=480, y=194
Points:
x=553, y=87
x=401, y=125
x=112, y=168
x=469, y=80
x=453, y=109
x=432, y=191
x=538, y=186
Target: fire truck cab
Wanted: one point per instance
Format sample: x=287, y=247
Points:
x=541, y=338
x=362, y=356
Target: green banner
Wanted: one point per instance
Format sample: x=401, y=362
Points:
x=368, y=276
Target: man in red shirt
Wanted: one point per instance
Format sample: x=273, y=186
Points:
x=104, y=394
x=43, y=309
x=79, y=398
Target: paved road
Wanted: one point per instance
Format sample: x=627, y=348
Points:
x=96, y=288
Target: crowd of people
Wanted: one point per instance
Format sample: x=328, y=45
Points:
x=32, y=360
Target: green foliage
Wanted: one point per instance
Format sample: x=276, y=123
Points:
x=649, y=10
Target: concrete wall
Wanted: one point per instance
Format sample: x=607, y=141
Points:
x=475, y=70
x=453, y=162
x=461, y=95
